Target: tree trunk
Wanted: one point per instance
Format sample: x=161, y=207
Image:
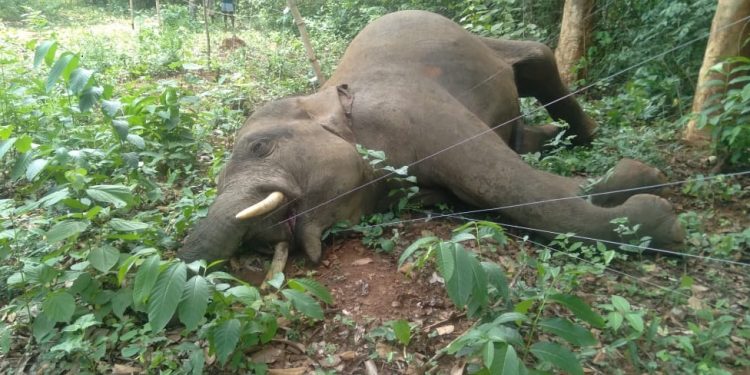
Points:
x=208, y=34
x=191, y=7
x=132, y=15
x=158, y=15
x=306, y=41
x=724, y=41
x=575, y=35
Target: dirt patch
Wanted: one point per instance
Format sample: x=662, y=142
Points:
x=232, y=43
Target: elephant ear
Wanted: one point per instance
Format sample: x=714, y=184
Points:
x=332, y=109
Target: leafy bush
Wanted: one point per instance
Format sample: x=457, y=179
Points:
x=728, y=114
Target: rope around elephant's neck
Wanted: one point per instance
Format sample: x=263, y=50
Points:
x=492, y=129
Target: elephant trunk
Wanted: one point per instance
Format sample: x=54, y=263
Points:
x=219, y=234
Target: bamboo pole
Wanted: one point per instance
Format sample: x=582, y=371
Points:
x=306, y=41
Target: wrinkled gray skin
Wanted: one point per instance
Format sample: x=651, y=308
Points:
x=411, y=84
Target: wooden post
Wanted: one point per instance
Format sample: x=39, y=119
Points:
x=132, y=16
x=306, y=41
x=575, y=33
x=722, y=43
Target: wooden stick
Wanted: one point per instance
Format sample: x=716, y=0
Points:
x=306, y=41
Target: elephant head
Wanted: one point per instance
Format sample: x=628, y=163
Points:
x=292, y=161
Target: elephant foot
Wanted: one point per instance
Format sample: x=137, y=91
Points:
x=656, y=219
x=533, y=138
x=629, y=175
x=584, y=131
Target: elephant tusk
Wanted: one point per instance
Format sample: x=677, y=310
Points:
x=272, y=201
x=280, y=255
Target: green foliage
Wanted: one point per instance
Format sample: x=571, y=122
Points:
x=727, y=115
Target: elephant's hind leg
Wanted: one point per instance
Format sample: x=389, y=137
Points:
x=537, y=76
x=487, y=173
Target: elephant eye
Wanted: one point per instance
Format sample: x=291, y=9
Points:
x=261, y=148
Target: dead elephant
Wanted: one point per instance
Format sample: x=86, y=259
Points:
x=420, y=88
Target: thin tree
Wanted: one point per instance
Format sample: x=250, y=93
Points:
x=724, y=41
x=575, y=36
x=158, y=16
x=306, y=41
x=191, y=7
x=132, y=16
x=208, y=34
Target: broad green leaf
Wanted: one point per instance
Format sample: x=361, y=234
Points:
x=54, y=197
x=121, y=128
x=446, y=260
x=122, y=299
x=111, y=107
x=122, y=225
x=488, y=354
x=416, y=245
x=58, y=69
x=621, y=304
x=41, y=327
x=245, y=293
x=59, y=306
x=194, y=302
x=557, y=355
x=103, y=258
x=506, y=361
x=45, y=51
x=118, y=195
x=70, y=67
x=614, y=319
x=479, y=291
x=635, y=320
x=83, y=322
x=4, y=338
x=23, y=144
x=5, y=146
x=314, y=287
x=145, y=279
x=464, y=236
x=461, y=285
x=88, y=97
x=79, y=78
x=276, y=280
x=136, y=140
x=496, y=278
x=580, y=308
x=225, y=336
x=501, y=333
x=166, y=295
x=303, y=303
x=65, y=229
x=402, y=330
x=509, y=317
x=572, y=333
x=35, y=167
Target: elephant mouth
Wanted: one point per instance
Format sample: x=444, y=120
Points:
x=277, y=223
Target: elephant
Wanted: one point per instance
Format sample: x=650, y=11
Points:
x=436, y=98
